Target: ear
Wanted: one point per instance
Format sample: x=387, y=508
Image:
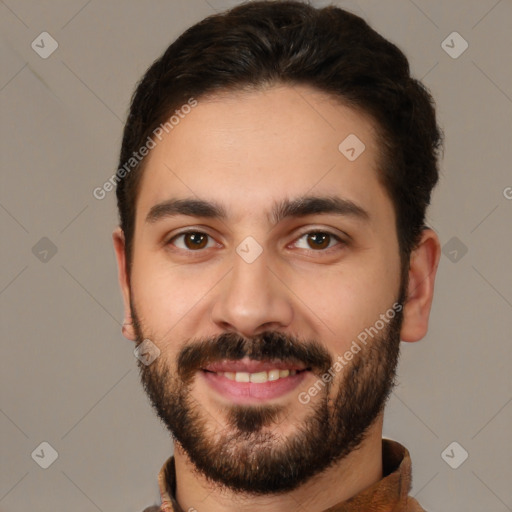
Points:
x=420, y=291
x=124, y=282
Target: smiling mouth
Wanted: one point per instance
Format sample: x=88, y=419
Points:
x=258, y=377
x=246, y=380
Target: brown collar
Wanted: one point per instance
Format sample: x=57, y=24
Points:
x=390, y=494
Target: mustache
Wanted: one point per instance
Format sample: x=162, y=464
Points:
x=267, y=346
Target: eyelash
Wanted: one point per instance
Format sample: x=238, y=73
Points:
x=340, y=241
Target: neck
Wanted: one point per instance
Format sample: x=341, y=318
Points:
x=359, y=470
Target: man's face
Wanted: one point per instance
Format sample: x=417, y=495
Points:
x=265, y=290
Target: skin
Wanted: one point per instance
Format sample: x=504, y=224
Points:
x=246, y=151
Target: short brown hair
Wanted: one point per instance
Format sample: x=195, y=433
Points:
x=262, y=43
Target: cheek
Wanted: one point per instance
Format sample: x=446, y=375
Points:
x=346, y=302
x=168, y=296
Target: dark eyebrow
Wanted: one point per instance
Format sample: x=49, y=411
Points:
x=298, y=207
x=311, y=205
x=191, y=207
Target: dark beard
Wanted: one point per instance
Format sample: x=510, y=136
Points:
x=247, y=456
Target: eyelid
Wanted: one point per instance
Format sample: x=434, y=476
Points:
x=340, y=235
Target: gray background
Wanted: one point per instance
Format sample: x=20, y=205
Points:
x=69, y=378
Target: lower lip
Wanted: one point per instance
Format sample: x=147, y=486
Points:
x=247, y=392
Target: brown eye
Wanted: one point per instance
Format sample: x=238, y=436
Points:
x=196, y=240
x=319, y=240
x=191, y=241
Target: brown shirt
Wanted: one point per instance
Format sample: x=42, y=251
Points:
x=391, y=494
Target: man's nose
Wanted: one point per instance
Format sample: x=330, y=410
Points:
x=252, y=298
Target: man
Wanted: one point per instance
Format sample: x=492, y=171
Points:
x=275, y=170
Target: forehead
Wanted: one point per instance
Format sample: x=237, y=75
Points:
x=246, y=150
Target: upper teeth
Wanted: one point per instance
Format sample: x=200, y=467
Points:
x=258, y=377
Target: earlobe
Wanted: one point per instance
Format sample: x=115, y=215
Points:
x=423, y=265
x=124, y=283
x=128, y=330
